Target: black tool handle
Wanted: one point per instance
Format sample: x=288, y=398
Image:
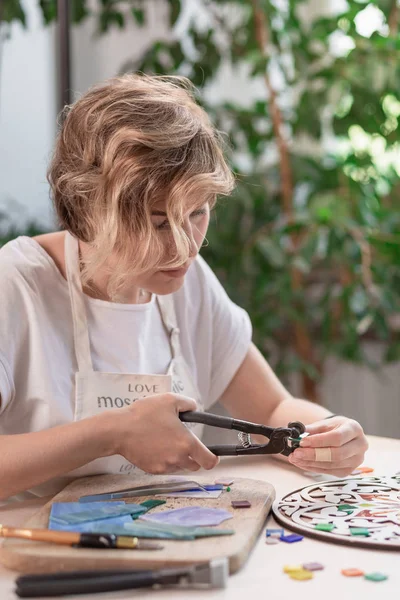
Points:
x=193, y=416
x=226, y=450
x=232, y=450
x=225, y=422
x=82, y=574
x=96, y=540
x=83, y=582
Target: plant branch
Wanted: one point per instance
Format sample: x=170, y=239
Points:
x=366, y=261
x=302, y=338
x=262, y=37
x=393, y=20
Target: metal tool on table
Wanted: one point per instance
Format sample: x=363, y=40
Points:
x=146, y=490
x=282, y=440
x=208, y=575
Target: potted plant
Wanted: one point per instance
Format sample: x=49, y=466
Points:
x=309, y=244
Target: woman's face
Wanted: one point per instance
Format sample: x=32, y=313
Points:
x=195, y=224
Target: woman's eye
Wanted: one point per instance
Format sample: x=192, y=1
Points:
x=163, y=225
x=193, y=216
x=198, y=213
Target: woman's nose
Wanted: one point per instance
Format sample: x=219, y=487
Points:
x=193, y=248
x=189, y=230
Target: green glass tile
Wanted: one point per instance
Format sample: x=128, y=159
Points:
x=359, y=531
x=375, y=577
x=325, y=526
x=149, y=504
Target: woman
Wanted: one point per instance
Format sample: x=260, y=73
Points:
x=112, y=326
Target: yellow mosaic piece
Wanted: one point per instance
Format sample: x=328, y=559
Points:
x=292, y=568
x=301, y=575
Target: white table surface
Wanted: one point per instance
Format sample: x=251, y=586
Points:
x=262, y=576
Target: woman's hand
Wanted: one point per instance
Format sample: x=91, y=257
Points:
x=150, y=435
x=335, y=446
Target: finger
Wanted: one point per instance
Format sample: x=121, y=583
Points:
x=201, y=454
x=342, y=472
x=343, y=453
x=165, y=469
x=189, y=464
x=319, y=427
x=184, y=403
x=334, y=438
x=311, y=465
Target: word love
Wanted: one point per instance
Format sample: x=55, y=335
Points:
x=140, y=388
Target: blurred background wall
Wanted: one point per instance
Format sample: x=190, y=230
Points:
x=27, y=116
x=28, y=111
x=28, y=88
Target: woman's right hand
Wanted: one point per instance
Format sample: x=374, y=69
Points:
x=150, y=435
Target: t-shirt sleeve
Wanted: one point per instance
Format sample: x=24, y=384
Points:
x=14, y=341
x=6, y=385
x=230, y=338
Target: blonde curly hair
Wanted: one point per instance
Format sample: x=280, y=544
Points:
x=126, y=144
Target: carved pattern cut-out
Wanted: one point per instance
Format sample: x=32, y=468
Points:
x=374, y=502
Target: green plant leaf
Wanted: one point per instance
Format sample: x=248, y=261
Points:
x=174, y=11
x=110, y=17
x=79, y=10
x=49, y=10
x=12, y=11
x=138, y=15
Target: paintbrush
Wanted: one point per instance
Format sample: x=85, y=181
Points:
x=80, y=540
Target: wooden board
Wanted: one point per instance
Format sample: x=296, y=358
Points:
x=35, y=557
x=375, y=506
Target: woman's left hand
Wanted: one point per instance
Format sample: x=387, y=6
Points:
x=335, y=446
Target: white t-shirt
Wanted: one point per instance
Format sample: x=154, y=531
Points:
x=37, y=358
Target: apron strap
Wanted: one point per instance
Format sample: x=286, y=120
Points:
x=168, y=315
x=81, y=331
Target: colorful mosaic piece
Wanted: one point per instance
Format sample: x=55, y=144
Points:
x=272, y=540
x=302, y=575
x=352, y=572
x=376, y=577
x=321, y=503
x=192, y=516
x=313, y=566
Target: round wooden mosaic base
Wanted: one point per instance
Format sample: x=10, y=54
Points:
x=375, y=506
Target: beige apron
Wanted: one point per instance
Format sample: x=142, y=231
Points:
x=96, y=391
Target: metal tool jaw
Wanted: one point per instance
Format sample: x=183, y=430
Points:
x=282, y=440
x=213, y=574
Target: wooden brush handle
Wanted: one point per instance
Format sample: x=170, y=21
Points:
x=41, y=535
